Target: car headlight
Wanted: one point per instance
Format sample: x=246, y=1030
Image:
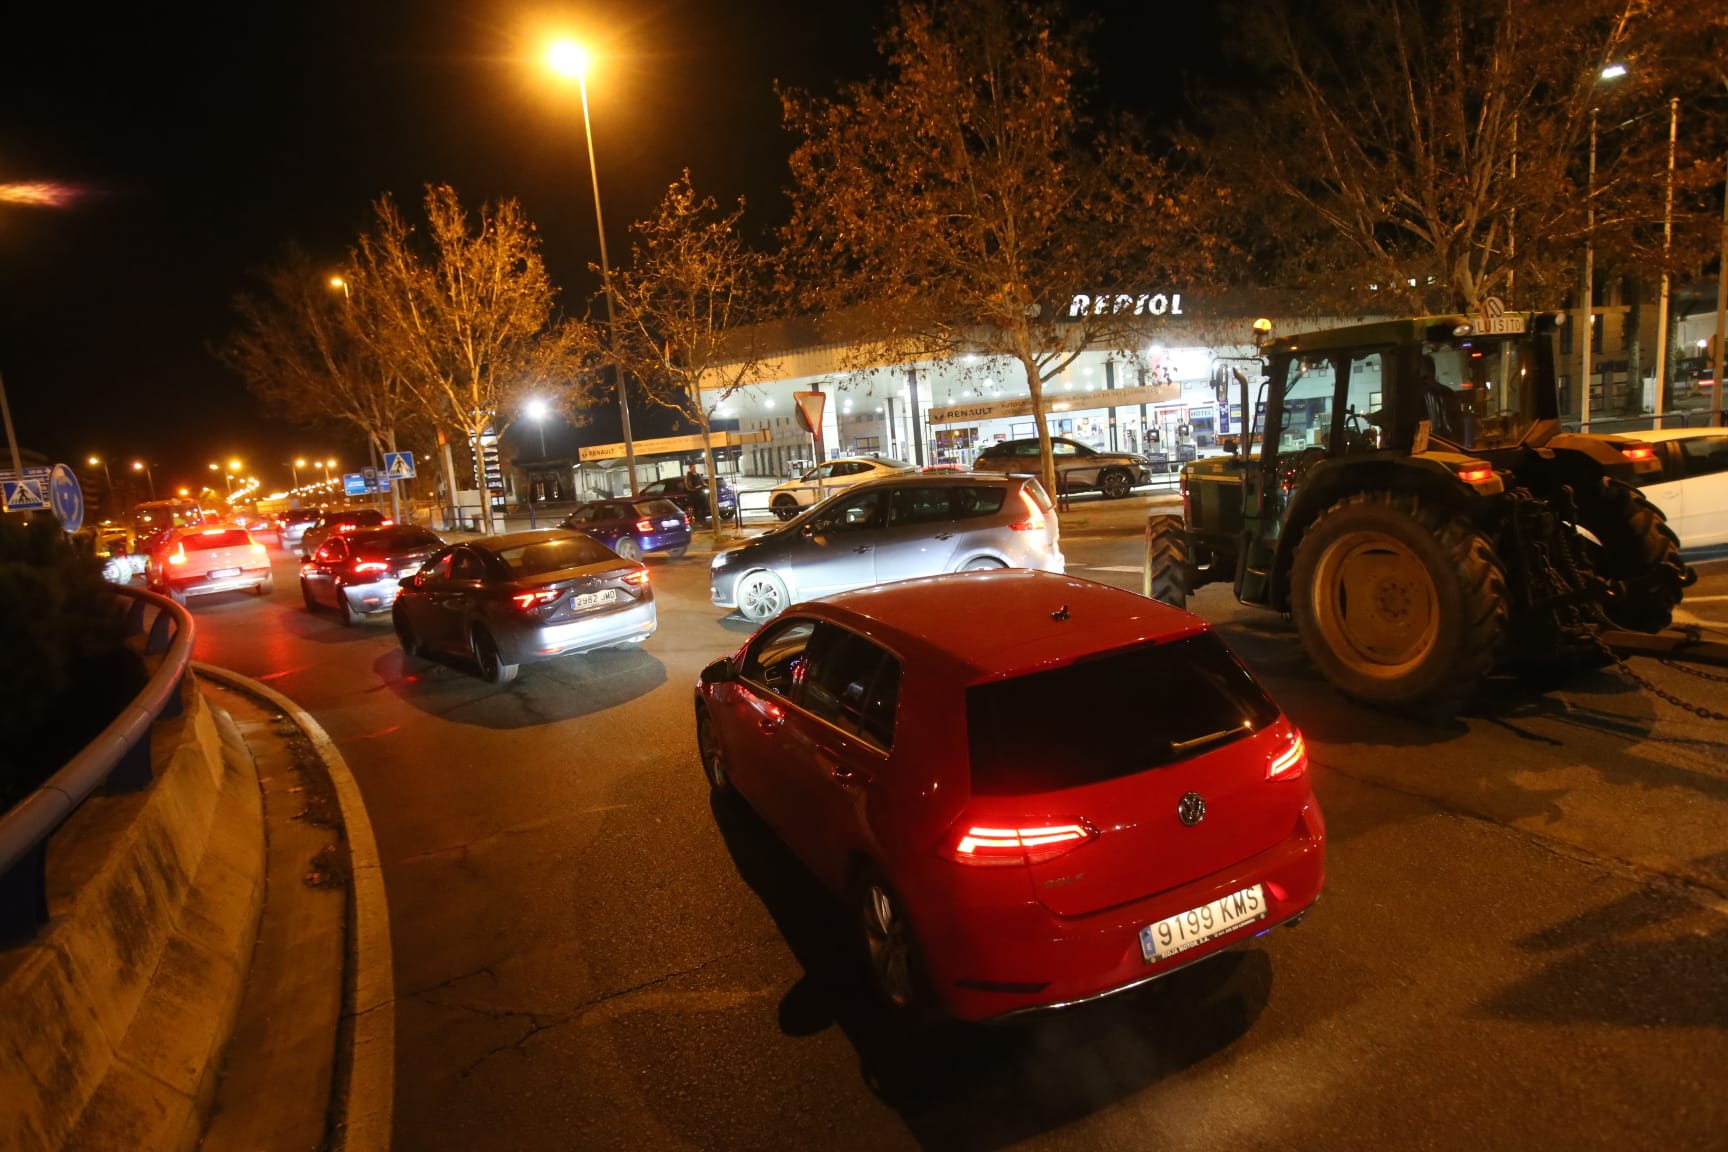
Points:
x=721, y=559
x=1140, y=460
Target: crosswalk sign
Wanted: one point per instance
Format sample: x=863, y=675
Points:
x=399, y=465
x=23, y=495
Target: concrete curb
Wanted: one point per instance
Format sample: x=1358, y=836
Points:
x=369, y=1101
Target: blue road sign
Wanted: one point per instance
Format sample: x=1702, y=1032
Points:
x=23, y=495
x=399, y=465
x=31, y=472
x=67, y=498
x=354, y=484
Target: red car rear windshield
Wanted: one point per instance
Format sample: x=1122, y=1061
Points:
x=1111, y=715
x=228, y=538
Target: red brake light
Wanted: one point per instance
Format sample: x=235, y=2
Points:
x=639, y=577
x=178, y=556
x=644, y=525
x=1034, y=521
x=1638, y=453
x=1475, y=475
x=386, y=522
x=528, y=600
x=1291, y=761
x=363, y=566
x=1022, y=844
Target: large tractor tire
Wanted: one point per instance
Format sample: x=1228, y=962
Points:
x=1639, y=554
x=1169, y=571
x=1397, y=604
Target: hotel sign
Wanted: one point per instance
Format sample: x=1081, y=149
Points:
x=670, y=444
x=1063, y=401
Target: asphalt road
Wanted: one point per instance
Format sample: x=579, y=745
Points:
x=1521, y=944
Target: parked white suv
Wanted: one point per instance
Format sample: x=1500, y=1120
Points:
x=788, y=499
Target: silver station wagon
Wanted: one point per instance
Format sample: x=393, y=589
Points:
x=895, y=528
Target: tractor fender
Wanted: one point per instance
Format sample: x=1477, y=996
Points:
x=1608, y=452
x=1431, y=477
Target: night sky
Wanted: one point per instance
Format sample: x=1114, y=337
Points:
x=204, y=139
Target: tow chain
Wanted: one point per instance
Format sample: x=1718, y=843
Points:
x=1649, y=686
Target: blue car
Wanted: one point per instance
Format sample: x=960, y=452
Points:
x=634, y=527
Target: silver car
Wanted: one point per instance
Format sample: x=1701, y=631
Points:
x=508, y=600
x=896, y=528
x=1078, y=467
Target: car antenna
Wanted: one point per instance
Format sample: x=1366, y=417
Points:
x=1060, y=614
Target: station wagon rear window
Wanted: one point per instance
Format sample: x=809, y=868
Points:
x=1110, y=715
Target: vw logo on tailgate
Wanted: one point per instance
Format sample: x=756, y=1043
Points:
x=1191, y=809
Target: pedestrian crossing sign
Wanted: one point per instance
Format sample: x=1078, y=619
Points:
x=399, y=465
x=24, y=495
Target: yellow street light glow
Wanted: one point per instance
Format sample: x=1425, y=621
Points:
x=299, y=463
x=137, y=465
x=185, y=492
x=95, y=460
x=235, y=465
x=567, y=58
x=338, y=282
x=215, y=467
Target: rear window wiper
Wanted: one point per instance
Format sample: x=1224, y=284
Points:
x=1210, y=738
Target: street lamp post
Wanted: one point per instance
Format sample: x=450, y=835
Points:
x=327, y=465
x=142, y=466
x=536, y=412
x=1667, y=243
x=568, y=59
x=296, y=465
x=1587, y=329
x=107, y=478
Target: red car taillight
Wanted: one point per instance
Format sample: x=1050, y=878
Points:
x=1638, y=453
x=638, y=577
x=1290, y=761
x=178, y=556
x=1020, y=844
x=1034, y=521
x=530, y=600
x=362, y=567
x=644, y=526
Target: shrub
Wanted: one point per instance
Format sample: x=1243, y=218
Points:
x=66, y=669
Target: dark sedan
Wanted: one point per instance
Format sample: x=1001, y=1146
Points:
x=359, y=572
x=694, y=501
x=525, y=596
x=634, y=526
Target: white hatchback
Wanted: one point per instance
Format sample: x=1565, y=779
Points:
x=1692, y=489
x=788, y=499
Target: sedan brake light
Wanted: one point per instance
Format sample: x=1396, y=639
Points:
x=530, y=600
x=1034, y=521
x=639, y=577
x=1289, y=762
x=1020, y=844
x=361, y=567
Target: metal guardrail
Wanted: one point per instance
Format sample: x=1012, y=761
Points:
x=118, y=759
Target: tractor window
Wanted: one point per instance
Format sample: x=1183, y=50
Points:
x=1307, y=412
x=1364, y=416
x=1480, y=392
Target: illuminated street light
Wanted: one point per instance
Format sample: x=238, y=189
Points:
x=141, y=466
x=569, y=59
x=106, y=475
x=1613, y=71
x=296, y=465
x=327, y=465
x=338, y=282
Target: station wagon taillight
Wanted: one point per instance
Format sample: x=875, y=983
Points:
x=1034, y=521
x=1019, y=843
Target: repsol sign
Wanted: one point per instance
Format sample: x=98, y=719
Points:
x=1122, y=304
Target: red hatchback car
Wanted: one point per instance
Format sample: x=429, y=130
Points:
x=1034, y=790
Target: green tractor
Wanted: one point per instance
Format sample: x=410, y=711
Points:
x=1404, y=490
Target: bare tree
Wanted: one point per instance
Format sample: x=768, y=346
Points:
x=967, y=198
x=305, y=349
x=1437, y=153
x=468, y=316
x=688, y=305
